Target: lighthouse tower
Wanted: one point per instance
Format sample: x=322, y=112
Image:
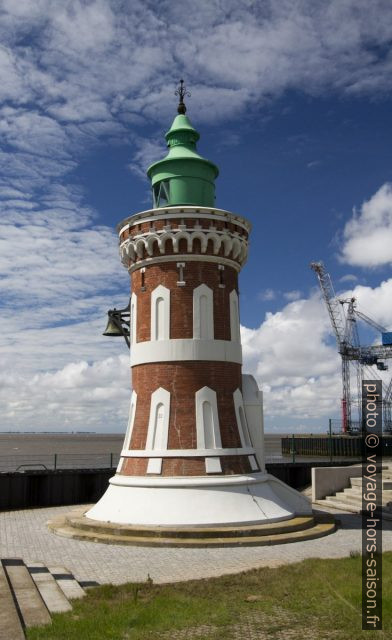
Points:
x=193, y=450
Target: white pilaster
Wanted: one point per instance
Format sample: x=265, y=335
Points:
x=203, y=313
x=207, y=426
x=160, y=313
x=158, y=427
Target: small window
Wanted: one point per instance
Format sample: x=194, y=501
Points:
x=161, y=193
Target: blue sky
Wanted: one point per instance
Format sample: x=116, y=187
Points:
x=292, y=101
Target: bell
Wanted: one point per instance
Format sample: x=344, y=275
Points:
x=112, y=330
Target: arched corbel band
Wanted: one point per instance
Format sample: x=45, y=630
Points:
x=145, y=245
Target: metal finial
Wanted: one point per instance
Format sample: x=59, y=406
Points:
x=181, y=92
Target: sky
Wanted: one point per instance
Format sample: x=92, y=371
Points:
x=292, y=99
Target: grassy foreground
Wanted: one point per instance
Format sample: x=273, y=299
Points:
x=313, y=599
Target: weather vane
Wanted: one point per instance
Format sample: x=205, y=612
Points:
x=181, y=92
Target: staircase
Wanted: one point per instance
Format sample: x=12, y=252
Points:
x=30, y=593
x=350, y=499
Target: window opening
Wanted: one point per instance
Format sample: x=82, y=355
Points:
x=161, y=193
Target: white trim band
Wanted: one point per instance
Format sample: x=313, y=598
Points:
x=185, y=349
x=185, y=453
x=184, y=257
x=185, y=211
x=195, y=481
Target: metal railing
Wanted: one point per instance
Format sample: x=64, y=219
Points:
x=58, y=461
x=292, y=451
x=329, y=447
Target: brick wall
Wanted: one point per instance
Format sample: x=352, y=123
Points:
x=181, y=298
x=182, y=380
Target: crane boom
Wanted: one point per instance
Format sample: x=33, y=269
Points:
x=371, y=322
x=333, y=305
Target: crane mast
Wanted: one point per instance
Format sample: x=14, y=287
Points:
x=341, y=329
x=351, y=351
x=332, y=303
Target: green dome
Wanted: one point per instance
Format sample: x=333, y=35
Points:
x=183, y=177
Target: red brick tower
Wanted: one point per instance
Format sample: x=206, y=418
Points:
x=193, y=450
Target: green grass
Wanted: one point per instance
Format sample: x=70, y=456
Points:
x=311, y=599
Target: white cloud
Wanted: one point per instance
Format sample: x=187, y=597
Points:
x=266, y=295
x=56, y=254
x=313, y=163
x=295, y=360
x=148, y=151
x=100, y=69
x=101, y=59
x=368, y=235
x=349, y=277
x=290, y=346
x=292, y=295
x=78, y=396
x=376, y=302
x=59, y=273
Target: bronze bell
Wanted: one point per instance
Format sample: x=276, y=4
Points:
x=112, y=329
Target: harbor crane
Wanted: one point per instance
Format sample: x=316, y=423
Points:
x=343, y=315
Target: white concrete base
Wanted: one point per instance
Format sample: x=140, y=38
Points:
x=199, y=501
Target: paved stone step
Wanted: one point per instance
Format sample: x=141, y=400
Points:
x=344, y=506
x=323, y=527
x=355, y=490
x=10, y=623
x=88, y=584
x=31, y=606
x=67, y=582
x=50, y=591
x=348, y=498
x=386, y=482
x=76, y=520
x=335, y=504
x=356, y=497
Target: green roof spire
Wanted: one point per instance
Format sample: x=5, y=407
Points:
x=183, y=177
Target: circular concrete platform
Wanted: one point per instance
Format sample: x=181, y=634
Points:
x=25, y=535
x=299, y=528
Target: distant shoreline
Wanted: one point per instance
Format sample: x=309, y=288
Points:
x=120, y=433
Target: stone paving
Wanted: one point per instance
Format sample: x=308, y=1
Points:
x=24, y=534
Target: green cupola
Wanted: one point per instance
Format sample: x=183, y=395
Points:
x=183, y=177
